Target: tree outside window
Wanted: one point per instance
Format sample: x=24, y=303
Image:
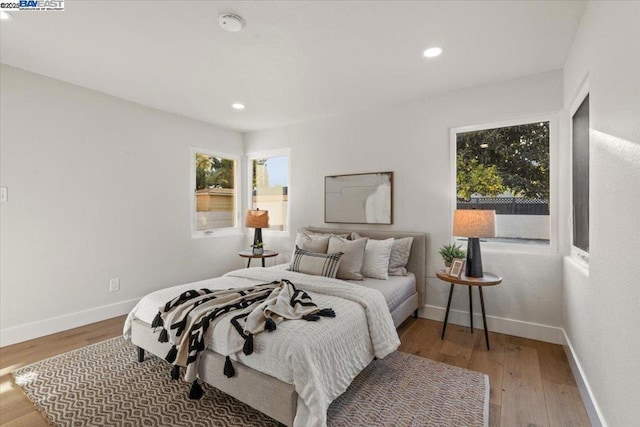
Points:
x=214, y=172
x=215, y=192
x=507, y=169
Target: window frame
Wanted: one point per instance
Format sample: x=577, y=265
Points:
x=581, y=256
x=278, y=152
x=553, y=120
x=215, y=232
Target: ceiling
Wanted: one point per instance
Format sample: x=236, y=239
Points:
x=294, y=60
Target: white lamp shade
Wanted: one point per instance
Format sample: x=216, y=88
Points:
x=474, y=223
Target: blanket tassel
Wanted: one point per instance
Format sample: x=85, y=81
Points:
x=157, y=321
x=311, y=317
x=175, y=372
x=228, y=368
x=247, y=348
x=327, y=312
x=171, y=356
x=196, y=391
x=270, y=325
x=164, y=336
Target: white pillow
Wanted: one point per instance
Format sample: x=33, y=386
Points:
x=376, y=258
x=315, y=264
x=351, y=262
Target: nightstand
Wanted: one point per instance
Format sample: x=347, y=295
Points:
x=250, y=255
x=489, y=279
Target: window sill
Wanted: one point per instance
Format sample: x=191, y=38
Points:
x=520, y=247
x=216, y=233
x=580, y=258
x=268, y=233
x=274, y=233
x=579, y=263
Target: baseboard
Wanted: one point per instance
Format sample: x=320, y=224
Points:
x=593, y=410
x=518, y=328
x=28, y=331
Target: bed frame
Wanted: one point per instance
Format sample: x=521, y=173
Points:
x=263, y=392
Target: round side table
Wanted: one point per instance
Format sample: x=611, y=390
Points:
x=262, y=256
x=489, y=279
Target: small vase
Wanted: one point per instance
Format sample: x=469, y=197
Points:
x=258, y=251
x=447, y=264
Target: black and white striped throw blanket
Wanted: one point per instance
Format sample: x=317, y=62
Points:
x=186, y=319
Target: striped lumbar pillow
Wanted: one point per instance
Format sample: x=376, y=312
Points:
x=314, y=263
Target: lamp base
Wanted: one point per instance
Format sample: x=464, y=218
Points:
x=257, y=236
x=474, y=258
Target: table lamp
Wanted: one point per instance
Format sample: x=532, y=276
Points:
x=257, y=219
x=473, y=224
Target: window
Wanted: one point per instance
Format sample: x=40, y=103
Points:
x=580, y=178
x=506, y=169
x=269, y=178
x=215, y=202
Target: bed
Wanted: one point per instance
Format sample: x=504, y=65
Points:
x=294, y=378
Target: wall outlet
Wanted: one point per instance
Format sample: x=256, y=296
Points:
x=4, y=194
x=114, y=285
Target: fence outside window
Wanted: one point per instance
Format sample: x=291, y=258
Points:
x=507, y=205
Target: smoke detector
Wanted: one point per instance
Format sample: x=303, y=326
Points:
x=230, y=22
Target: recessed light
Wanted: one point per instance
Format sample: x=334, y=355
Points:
x=5, y=16
x=231, y=22
x=432, y=52
x=237, y=106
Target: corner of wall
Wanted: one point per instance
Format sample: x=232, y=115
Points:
x=593, y=410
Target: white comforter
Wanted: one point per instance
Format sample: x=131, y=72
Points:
x=319, y=358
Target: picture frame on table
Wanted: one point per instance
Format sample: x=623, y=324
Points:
x=457, y=266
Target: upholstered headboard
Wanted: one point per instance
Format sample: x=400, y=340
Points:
x=417, y=258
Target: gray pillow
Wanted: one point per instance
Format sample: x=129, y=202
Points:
x=305, y=230
x=399, y=257
x=351, y=262
x=318, y=243
x=316, y=264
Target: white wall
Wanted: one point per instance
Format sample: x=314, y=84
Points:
x=602, y=304
x=524, y=226
x=98, y=189
x=412, y=140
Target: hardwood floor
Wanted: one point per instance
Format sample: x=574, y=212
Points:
x=15, y=408
x=531, y=382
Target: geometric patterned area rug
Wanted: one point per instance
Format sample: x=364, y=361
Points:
x=104, y=385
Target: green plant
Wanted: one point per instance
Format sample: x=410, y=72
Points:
x=258, y=245
x=519, y=153
x=449, y=252
x=474, y=177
